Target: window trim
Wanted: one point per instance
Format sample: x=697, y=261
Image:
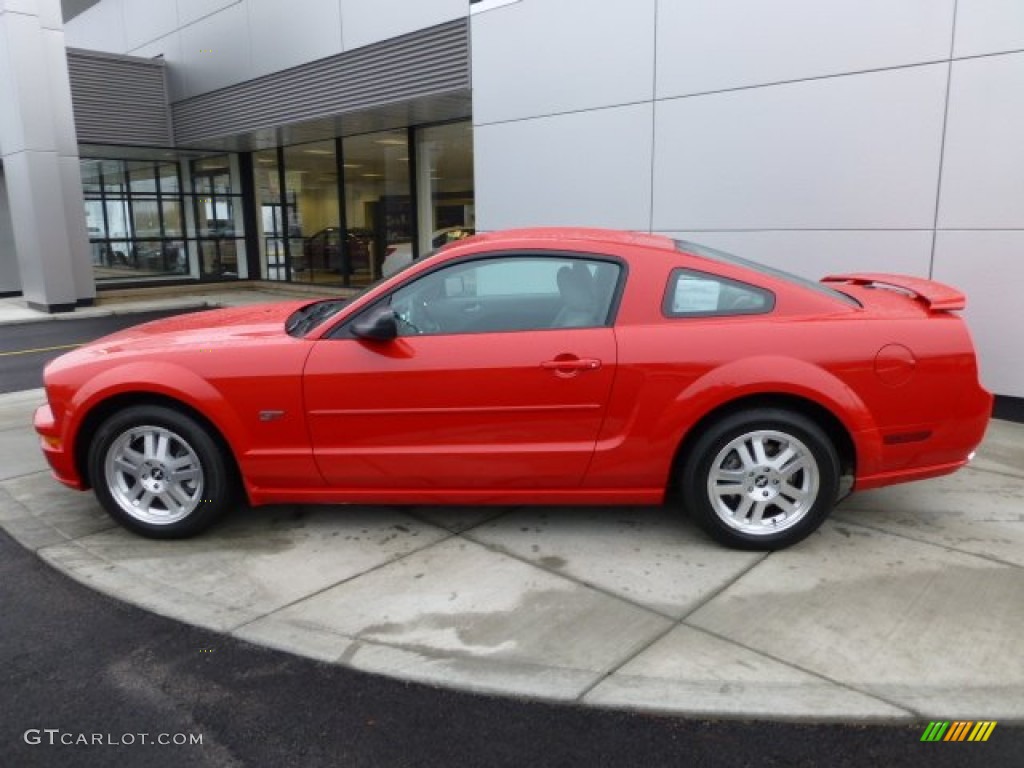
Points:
x=673, y=278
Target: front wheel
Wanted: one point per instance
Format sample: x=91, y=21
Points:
x=159, y=473
x=761, y=479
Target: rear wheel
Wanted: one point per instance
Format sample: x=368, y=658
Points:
x=761, y=479
x=159, y=472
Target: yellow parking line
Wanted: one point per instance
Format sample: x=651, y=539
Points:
x=38, y=349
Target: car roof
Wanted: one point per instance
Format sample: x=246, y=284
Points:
x=574, y=234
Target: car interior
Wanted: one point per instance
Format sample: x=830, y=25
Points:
x=497, y=295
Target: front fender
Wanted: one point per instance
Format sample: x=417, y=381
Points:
x=159, y=378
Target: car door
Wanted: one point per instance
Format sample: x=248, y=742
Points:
x=486, y=386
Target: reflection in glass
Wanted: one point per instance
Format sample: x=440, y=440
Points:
x=142, y=176
x=91, y=176
x=444, y=177
x=113, y=175
x=173, y=226
x=314, y=238
x=133, y=212
x=146, y=218
x=217, y=217
x=169, y=184
x=378, y=207
x=271, y=219
x=219, y=257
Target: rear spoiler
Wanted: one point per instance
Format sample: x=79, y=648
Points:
x=936, y=296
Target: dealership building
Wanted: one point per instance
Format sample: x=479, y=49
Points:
x=151, y=143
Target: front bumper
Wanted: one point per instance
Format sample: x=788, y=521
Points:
x=56, y=448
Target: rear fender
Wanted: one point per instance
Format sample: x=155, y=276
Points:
x=777, y=375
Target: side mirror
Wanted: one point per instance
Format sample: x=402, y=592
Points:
x=378, y=324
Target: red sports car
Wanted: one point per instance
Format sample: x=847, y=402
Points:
x=540, y=366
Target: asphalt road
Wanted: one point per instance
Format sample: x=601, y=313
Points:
x=78, y=667
x=26, y=349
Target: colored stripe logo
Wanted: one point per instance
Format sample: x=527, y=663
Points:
x=958, y=730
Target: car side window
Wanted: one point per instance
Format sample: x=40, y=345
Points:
x=700, y=294
x=508, y=293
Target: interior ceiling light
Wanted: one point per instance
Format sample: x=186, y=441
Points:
x=373, y=175
x=391, y=142
x=318, y=151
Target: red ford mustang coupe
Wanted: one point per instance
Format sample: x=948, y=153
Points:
x=541, y=366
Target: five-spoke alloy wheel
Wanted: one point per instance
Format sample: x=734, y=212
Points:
x=761, y=479
x=159, y=472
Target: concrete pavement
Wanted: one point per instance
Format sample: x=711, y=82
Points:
x=905, y=606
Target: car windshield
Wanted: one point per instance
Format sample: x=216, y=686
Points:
x=764, y=269
x=305, y=319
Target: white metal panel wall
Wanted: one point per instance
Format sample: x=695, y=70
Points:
x=983, y=165
x=988, y=26
x=710, y=46
x=536, y=58
x=145, y=21
x=215, y=50
x=989, y=267
x=283, y=38
x=812, y=135
x=10, y=276
x=557, y=169
x=856, y=152
x=99, y=28
x=190, y=11
x=371, y=21
x=979, y=245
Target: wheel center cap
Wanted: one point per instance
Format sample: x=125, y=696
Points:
x=761, y=481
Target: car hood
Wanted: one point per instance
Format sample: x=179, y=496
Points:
x=213, y=326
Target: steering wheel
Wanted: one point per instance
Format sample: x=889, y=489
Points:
x=414, y=313
x=422, y=317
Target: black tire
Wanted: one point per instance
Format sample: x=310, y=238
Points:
x=175, y=508
x=794, y=495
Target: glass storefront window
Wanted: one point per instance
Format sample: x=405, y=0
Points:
x=378, y=204
x=173, y=226
x=305, y=235
x=169, y=182
x=91, y=181
x=217, y=217
x=146, y=218
x=313, y=220
x=133, y=211
x=113, y=176
x=444, y=180
x=142, y=178
x=273, y=263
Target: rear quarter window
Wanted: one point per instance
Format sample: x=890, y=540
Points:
x=691, y=293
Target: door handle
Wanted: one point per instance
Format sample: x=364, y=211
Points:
x=570, y=365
